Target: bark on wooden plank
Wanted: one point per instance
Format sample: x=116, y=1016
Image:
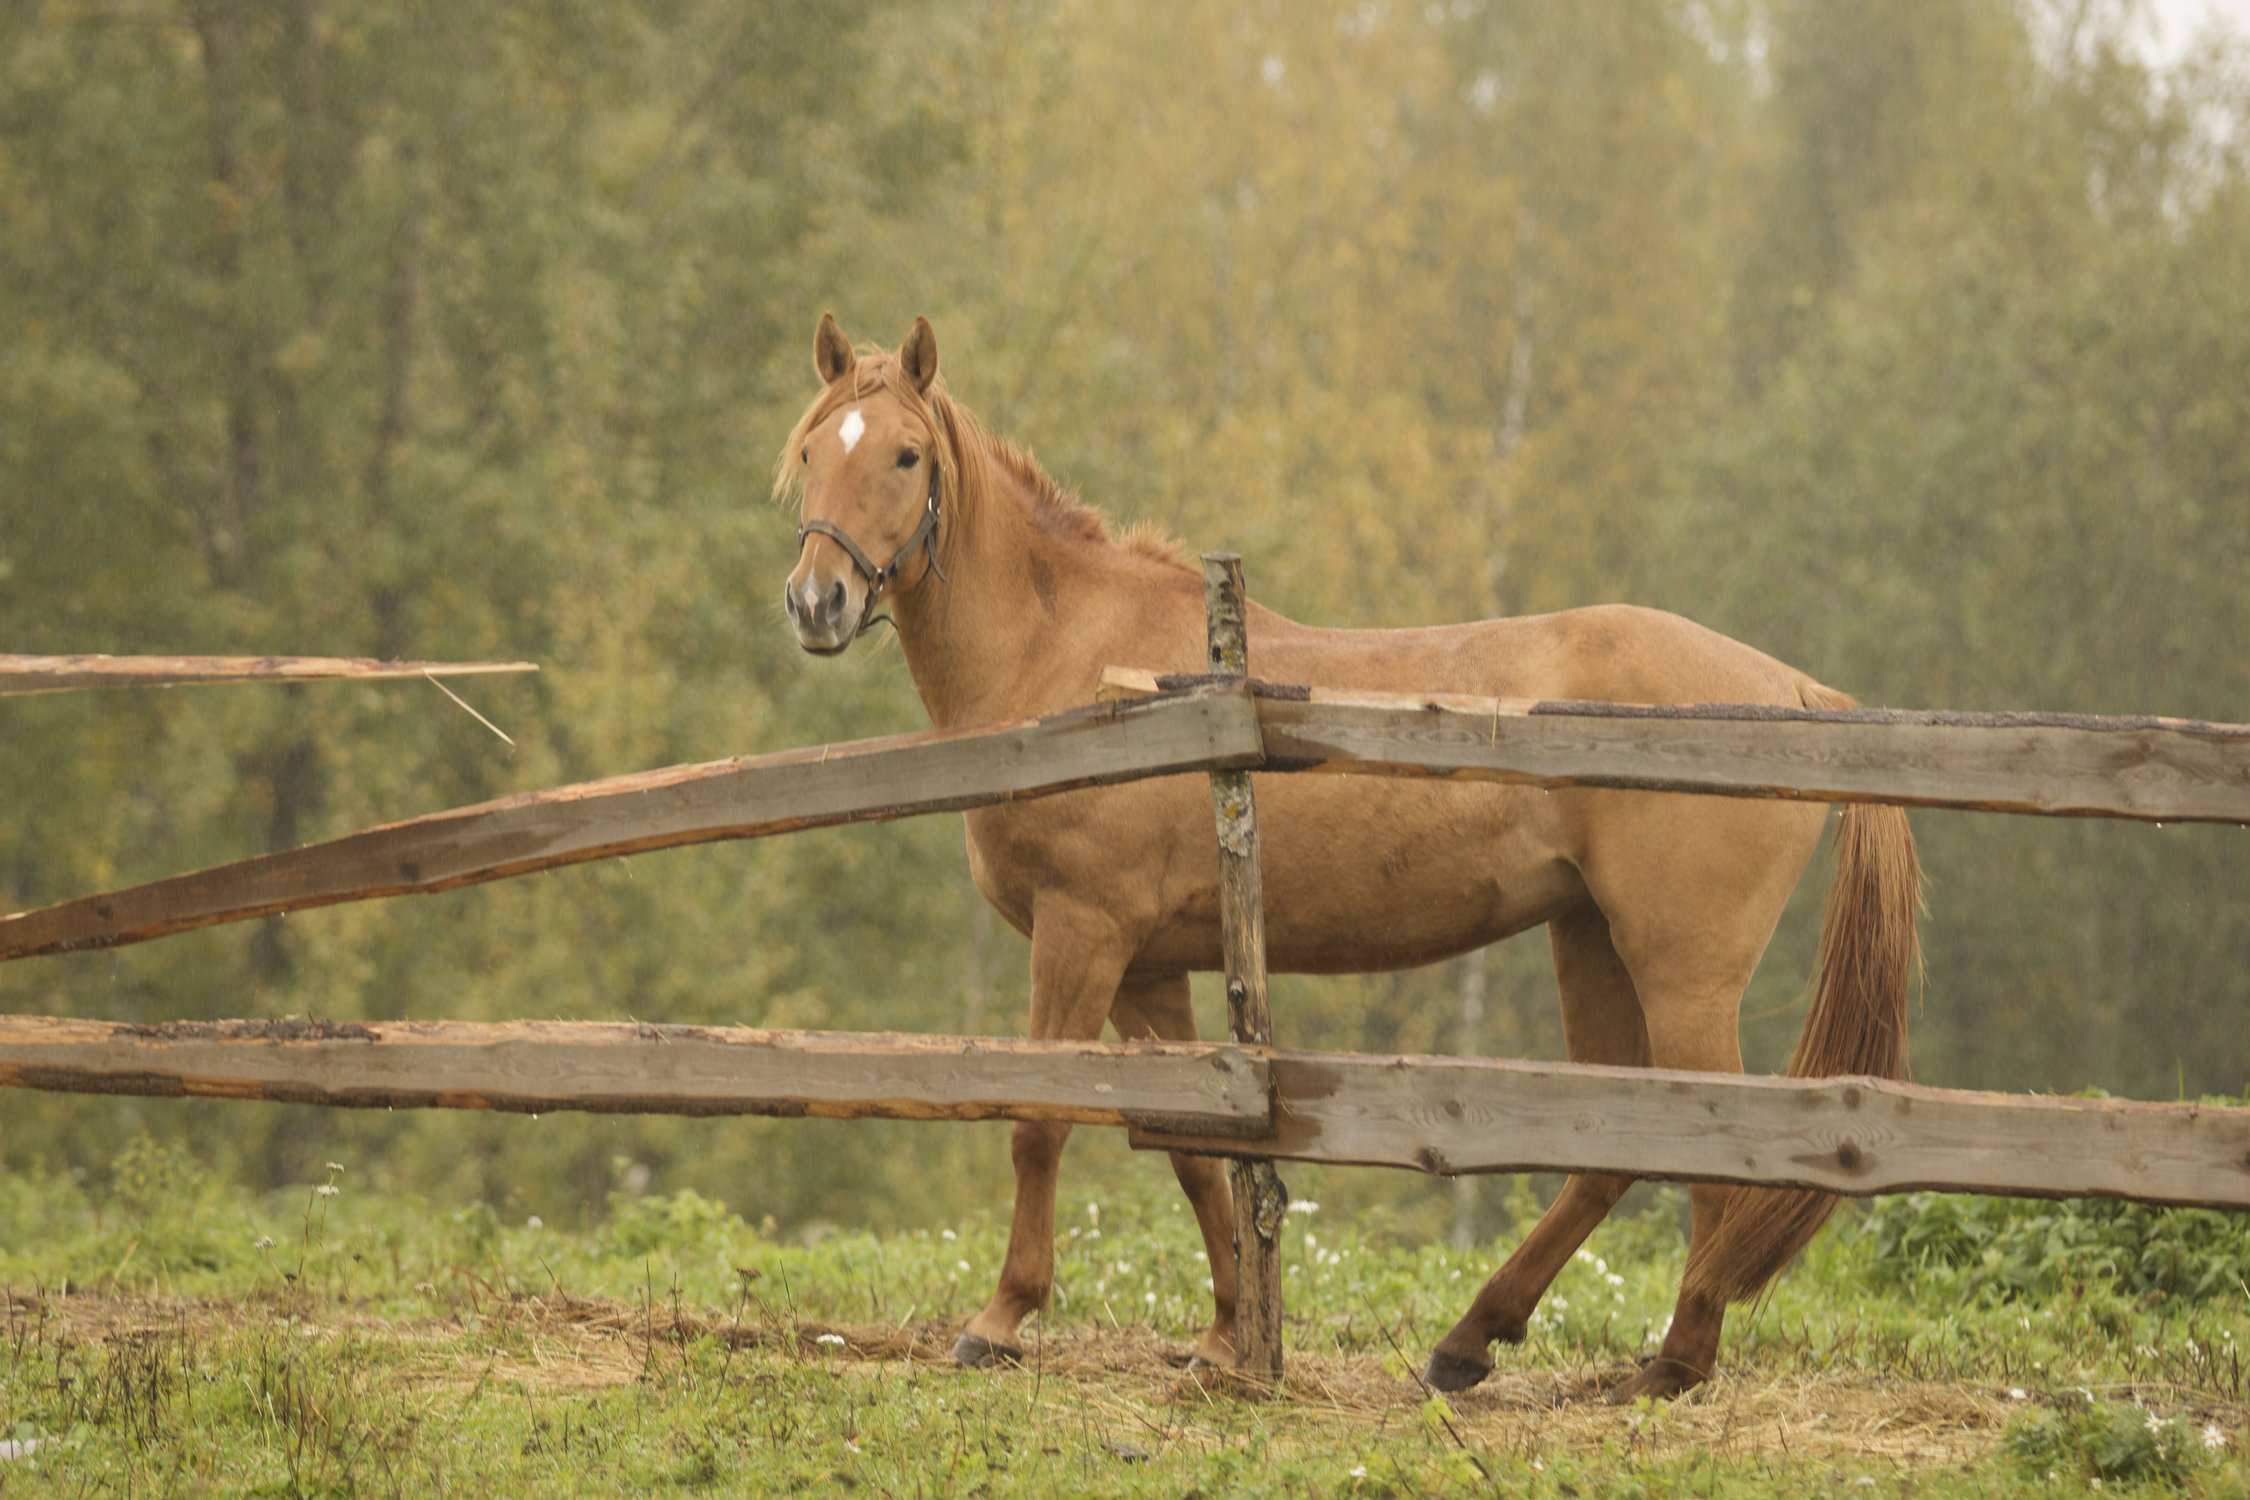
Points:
x=633, y=1068
x=817, y=787
x=20, y=675
x=2078, y=765
x=1853, y=1136
x=1258, y=1193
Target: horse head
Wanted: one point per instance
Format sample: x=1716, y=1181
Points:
x=870, y=467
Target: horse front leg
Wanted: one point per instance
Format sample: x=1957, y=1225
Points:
x=1078, y=955
x=1157, y=1008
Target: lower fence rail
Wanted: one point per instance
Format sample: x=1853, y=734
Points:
x=1854, y=1136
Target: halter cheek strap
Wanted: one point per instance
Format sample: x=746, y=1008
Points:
x=925, y=537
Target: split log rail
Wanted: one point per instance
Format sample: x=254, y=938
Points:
x=1245, y=1099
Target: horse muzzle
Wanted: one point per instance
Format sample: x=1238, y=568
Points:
x=826, y=619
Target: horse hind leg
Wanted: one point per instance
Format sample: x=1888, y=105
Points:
x=1702, y=1038
x=1601, y=1024
x=1691, y=1003
x=1158, y=1009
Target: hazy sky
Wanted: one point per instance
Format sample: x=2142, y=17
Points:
x=2175, y=22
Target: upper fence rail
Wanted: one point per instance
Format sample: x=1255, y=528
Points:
x=2151, y=769
x=21, y=675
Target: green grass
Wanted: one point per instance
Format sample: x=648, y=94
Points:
x=165, y=1336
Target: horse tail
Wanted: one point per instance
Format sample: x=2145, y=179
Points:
x=1869, y=957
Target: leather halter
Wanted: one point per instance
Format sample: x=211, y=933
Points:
x=878, y=579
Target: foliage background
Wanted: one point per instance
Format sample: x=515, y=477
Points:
x=1910, y=343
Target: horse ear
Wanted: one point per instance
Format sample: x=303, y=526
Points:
x=918, y=355
x=832, y=355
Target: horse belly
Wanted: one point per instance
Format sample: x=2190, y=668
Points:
x=1363, y=875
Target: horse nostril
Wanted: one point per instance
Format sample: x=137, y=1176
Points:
x=789, y=601
x=836, y=599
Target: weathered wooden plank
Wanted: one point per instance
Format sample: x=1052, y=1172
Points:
x=1853, y=1136
x=2150, y=769
x=1259, y=1196
x=632, y=1068
x=863, y=781
x=20, y=675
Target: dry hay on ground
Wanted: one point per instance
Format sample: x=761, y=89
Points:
x=563, y=1344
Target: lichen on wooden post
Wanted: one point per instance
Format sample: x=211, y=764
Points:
x=1260, y=1199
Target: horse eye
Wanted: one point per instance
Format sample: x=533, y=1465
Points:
x=909, y=459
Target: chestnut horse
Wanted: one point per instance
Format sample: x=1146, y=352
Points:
x=1009, y=597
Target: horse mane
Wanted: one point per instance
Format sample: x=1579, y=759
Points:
x=970, y=457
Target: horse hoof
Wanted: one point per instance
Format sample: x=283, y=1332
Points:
x=1450, y=1372
x=980, y=1353
x=1658, y=1379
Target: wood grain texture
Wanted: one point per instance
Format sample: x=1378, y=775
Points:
x=818, y=787
x=1259, y=1196
x=2075, y=765
x=21, y=675
x=1854, y=1136
x=642, y=1069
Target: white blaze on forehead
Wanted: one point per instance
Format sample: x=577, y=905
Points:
x=854, y=427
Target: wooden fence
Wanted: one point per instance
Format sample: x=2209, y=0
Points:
x=1244, y=1099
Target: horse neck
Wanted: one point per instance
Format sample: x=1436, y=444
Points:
x=987, y=642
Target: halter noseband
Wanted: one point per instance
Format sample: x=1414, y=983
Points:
x=878, y=579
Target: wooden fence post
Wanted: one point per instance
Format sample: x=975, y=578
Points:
x=1259, y=1197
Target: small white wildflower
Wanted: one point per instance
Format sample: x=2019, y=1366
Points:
x=535, y=1222
x=1537, y=1467
x=425, y=1286
x=1149, y=1298
x=960, y=1265
x=947, y=1234
x=1614, y=1279
x=2213, y=1439
x=1358, y=1471
x=2153, y=1424
x=2018, y=1393
x=830, y=1341
x=335, y=1166
x=1562, y=1304
x=1310, y=1242
x=328, y=1190
x=1303, y=1206
x=264, y=1242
